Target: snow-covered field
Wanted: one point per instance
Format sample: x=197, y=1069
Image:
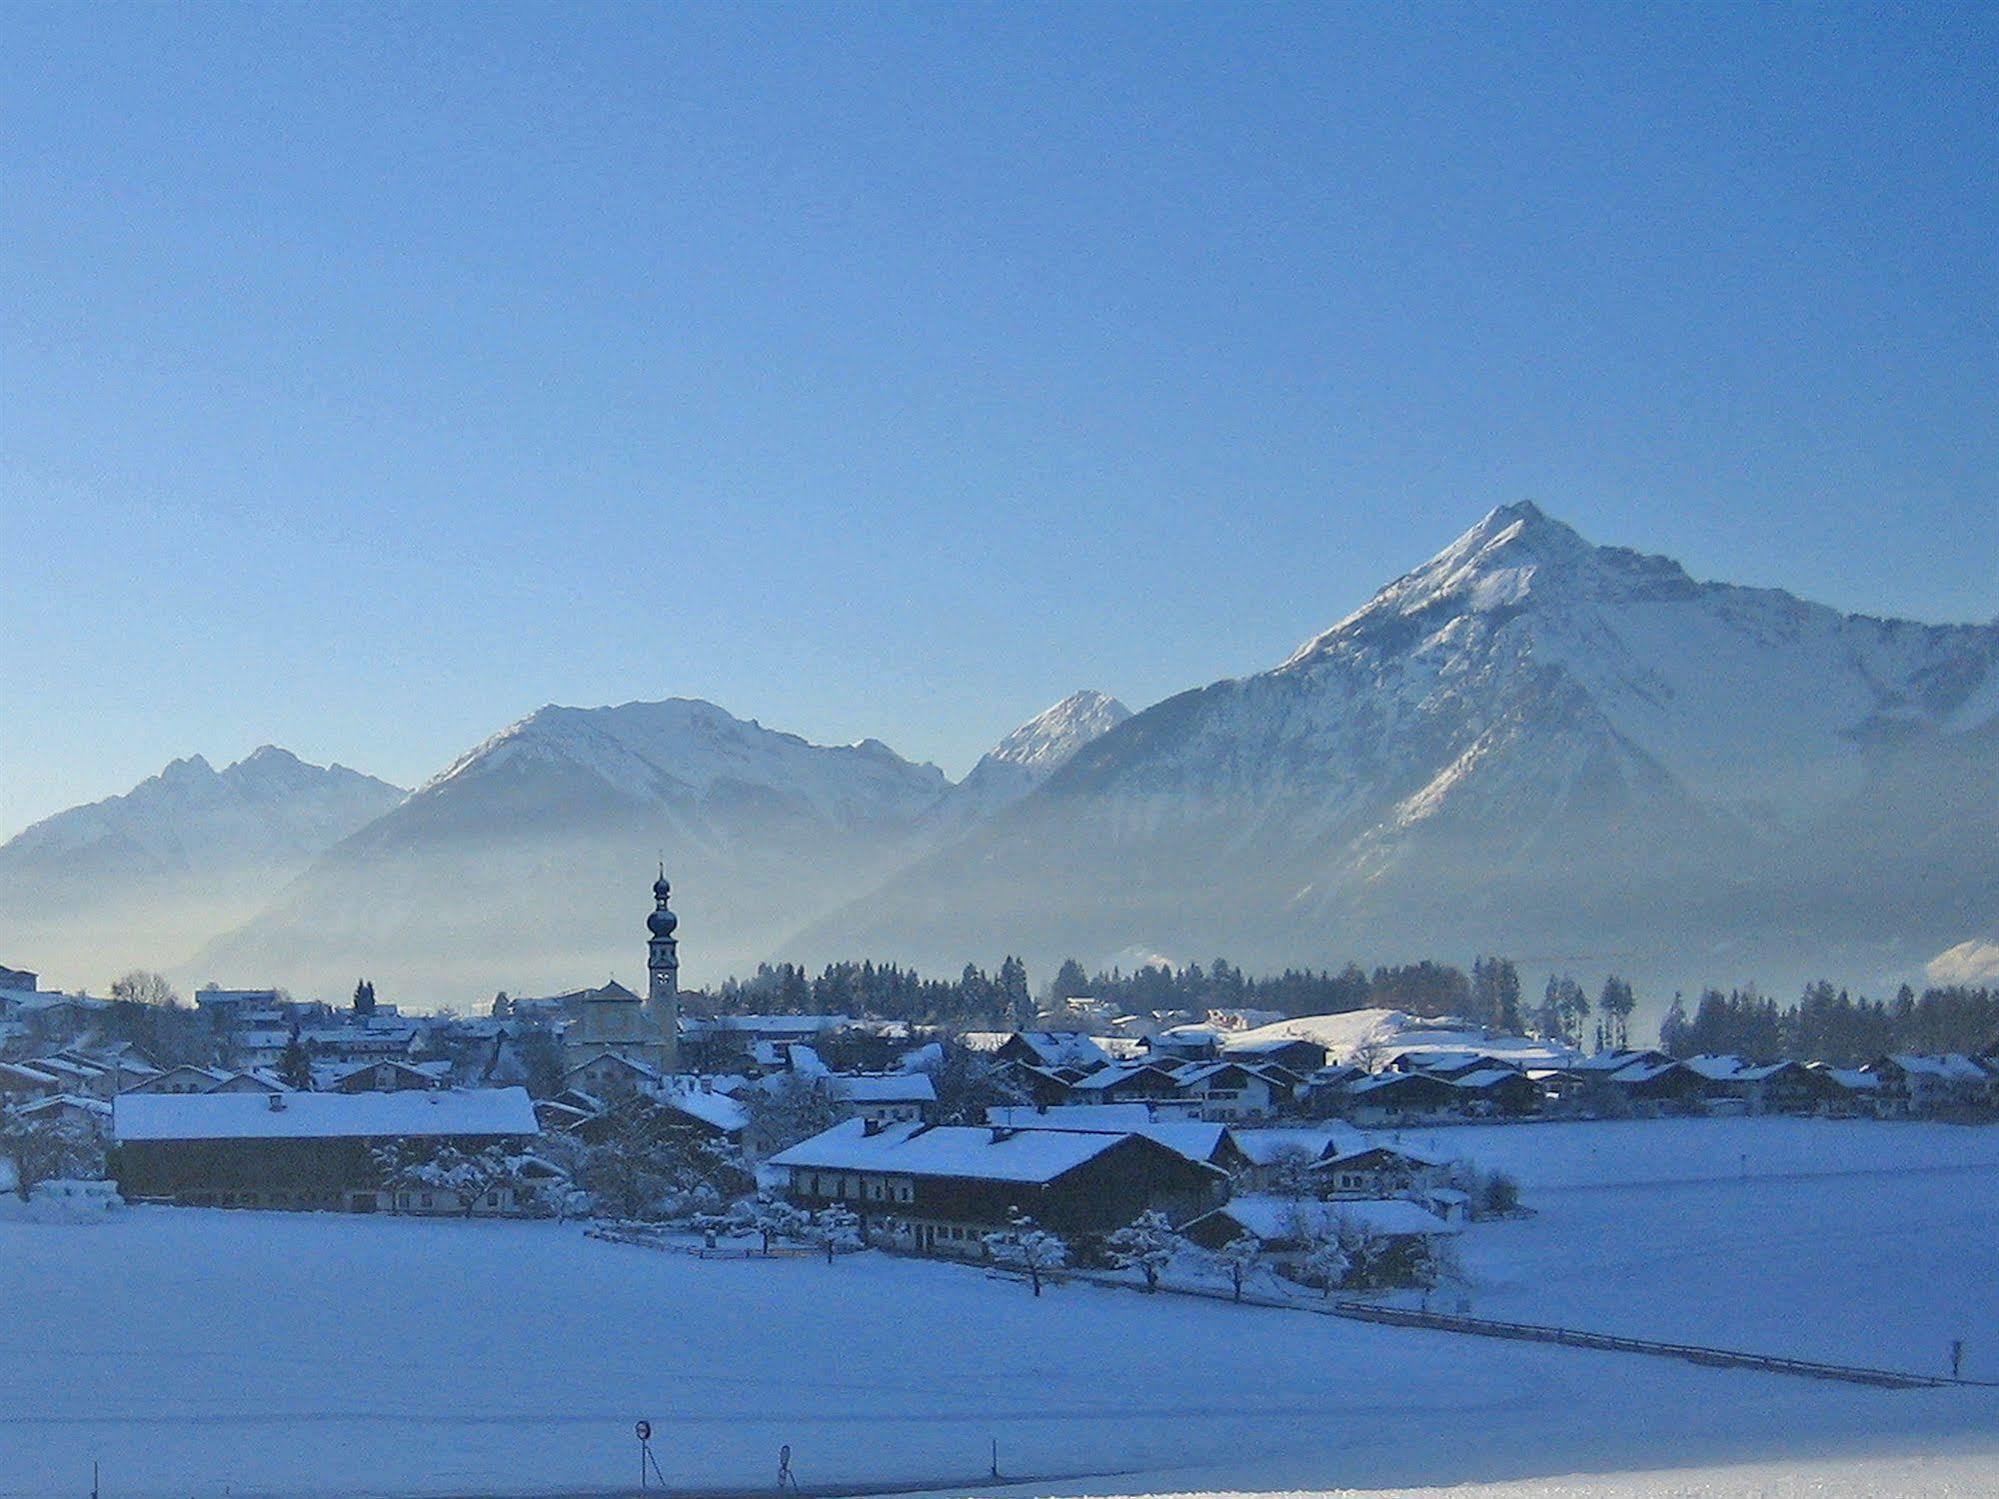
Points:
x=1908, y=1477
x=201, y=1352
x=1852, y=1242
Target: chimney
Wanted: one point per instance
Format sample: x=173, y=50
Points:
x=1002, y=1132
x=277, y=1102
x=870, y=1127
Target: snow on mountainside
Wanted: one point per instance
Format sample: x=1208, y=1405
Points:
x=685, y=749
x=1027, y=757
x=1530, y=744
x=268, y=807
x=1045, y=742
x=183, y=854
x=527, y=863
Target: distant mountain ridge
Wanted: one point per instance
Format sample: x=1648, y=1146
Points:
x=519, y=865
x=1026, y=757
x=1575, y=754
x=138, y=877
x=268, y=806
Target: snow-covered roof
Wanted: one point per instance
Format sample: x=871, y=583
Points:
x=1377, y=1082
x=1266, y=1146
x=1484, y=1077
x=58, y=1101
x=1193, y=1138
x=323, y=1116
x=911, y=1149
x=1350, y=1153
x=1262, y=1045
x=893, y=1087
x=773, y=1026
x=1279, y=1218
x=1110, y=1077
x=1954, y=1066
x=617, y=1058
x=1732, y=1069
x=715, y=1109
x=1643, y=1071
x=1065, y=1048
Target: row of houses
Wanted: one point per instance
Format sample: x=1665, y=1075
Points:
x=1055, y=1068
x=942, y=1189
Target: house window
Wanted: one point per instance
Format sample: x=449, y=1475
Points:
x=426, y=1199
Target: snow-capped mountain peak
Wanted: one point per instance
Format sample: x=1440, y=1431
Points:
x=1025, y=758
x=1048, y=739
x=686, y=748
x=1528, y=739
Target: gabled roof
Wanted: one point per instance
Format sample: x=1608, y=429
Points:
x=1953, y=1066
x=1353, y=1151
x=1485, y=1077
x=618, y=1058
x=716, y=1110
x=1065, y=1049
x=1028, y=1156
x=1193, y=1138
x=1276, y=1219
x=58, y=1101
x=1265, y=1046
x=1109, y=1077
x=1614, y=1061
x=323, y=1116
x=893, y=1087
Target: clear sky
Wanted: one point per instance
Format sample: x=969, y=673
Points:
x=372, y=377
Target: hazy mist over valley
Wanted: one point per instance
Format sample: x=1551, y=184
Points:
x=1572, y=754
x=1098, y=751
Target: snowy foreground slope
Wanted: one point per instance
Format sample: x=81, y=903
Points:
x=1910, y=1477
x=298, y=1354
x=1816, y=1238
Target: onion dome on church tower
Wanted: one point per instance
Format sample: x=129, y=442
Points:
x=662, y=921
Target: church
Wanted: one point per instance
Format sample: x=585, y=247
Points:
x=614, y=1023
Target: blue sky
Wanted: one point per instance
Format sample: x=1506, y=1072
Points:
x=372, y=377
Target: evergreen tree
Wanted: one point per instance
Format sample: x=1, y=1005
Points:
x=364, y=998
x=295, y=1064
x=1070, y=982
x=1014, y=995
x=1616, y=1004
x=1508, y=981
x=1673, y=1030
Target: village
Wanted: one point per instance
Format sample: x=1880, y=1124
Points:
x=1239, y=1143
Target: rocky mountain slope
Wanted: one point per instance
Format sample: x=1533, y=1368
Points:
x=1575, y=754
x=1024, y=759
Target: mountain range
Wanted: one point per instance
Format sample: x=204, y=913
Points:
x=1574, y=754
x=191, y=850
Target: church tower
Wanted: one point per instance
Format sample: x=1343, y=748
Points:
x=663, y=974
